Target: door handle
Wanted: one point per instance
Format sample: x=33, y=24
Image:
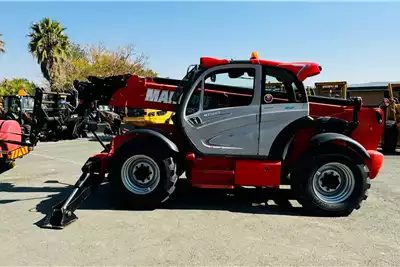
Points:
x=195, y=121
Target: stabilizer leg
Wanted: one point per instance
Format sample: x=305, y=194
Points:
x=62, y=214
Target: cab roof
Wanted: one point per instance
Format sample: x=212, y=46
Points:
x=302, y=70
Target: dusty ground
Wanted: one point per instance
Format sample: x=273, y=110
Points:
x=197, y=233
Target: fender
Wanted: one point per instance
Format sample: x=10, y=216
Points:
x=156, y=134
x=326, y=138
x=285, y=137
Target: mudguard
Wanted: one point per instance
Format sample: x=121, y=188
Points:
x=157, y=135
x=325, y=138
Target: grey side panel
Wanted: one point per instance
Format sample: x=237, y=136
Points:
x=232, y=131
x=325, y=138
x=274, y=119
x=282, y=142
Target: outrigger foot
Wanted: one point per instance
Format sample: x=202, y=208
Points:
x=62, y=214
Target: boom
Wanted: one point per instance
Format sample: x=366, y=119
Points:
x=158, y=93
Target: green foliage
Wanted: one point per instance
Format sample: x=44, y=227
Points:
x=11, y=87
x=97, y=60
x=49, y=45
x=77, y=52
x=2, y=50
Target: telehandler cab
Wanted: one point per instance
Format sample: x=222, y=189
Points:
x=230, y=132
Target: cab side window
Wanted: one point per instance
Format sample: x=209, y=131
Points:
x=281, y=87
x=229, y=88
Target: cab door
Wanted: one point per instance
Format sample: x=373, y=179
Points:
x=220, y=114
x=283, y=110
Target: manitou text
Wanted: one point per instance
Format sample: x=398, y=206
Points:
x=159, y=96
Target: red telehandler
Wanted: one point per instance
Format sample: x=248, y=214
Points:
x=230, y=129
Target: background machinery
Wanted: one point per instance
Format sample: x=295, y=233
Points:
x=19, y=107
x=144, y=117
x=27, y=119
x=331, y=89
x=390, y=138
x=57, y=114
x=229, y=135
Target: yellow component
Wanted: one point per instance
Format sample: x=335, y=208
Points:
x=19, y=152
x=254, y=55
x=21, y=92
x=152, y=116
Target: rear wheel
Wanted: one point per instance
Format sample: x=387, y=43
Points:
x=331, y=184
x=143, y=177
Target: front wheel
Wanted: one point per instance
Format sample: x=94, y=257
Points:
x=331, y=184
x=142, y=178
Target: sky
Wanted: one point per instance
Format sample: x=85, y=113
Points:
x=353, y=42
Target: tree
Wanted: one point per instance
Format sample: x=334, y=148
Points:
x=11, y=87
x=77, y=52
x=2, y=50
x=97, y=60
x=49, y=45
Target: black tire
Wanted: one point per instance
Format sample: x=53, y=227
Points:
x=147, y=151
x=303, y=179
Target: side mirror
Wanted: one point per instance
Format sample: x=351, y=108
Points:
x=213, y=78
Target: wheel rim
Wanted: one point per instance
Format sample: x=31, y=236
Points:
x=140, y=174
x=333, y=182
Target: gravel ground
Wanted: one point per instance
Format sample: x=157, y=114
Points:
x=202, y=231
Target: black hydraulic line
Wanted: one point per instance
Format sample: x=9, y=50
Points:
x=96, y=136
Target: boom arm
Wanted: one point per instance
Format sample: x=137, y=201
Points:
x=127, y=91
x=158, y=93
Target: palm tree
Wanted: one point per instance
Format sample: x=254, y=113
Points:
x=2, y=50
x=49, y=45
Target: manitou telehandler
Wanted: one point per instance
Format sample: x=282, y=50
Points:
x=229, y=132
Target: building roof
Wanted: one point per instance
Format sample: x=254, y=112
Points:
x=372, y=86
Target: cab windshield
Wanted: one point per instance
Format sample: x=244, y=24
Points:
x=27, y=103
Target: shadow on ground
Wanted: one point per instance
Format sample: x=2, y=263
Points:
x=187, y=198
x=12, y=188
x=272, y=202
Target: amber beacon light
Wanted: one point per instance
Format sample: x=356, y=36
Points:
x=254, y=55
